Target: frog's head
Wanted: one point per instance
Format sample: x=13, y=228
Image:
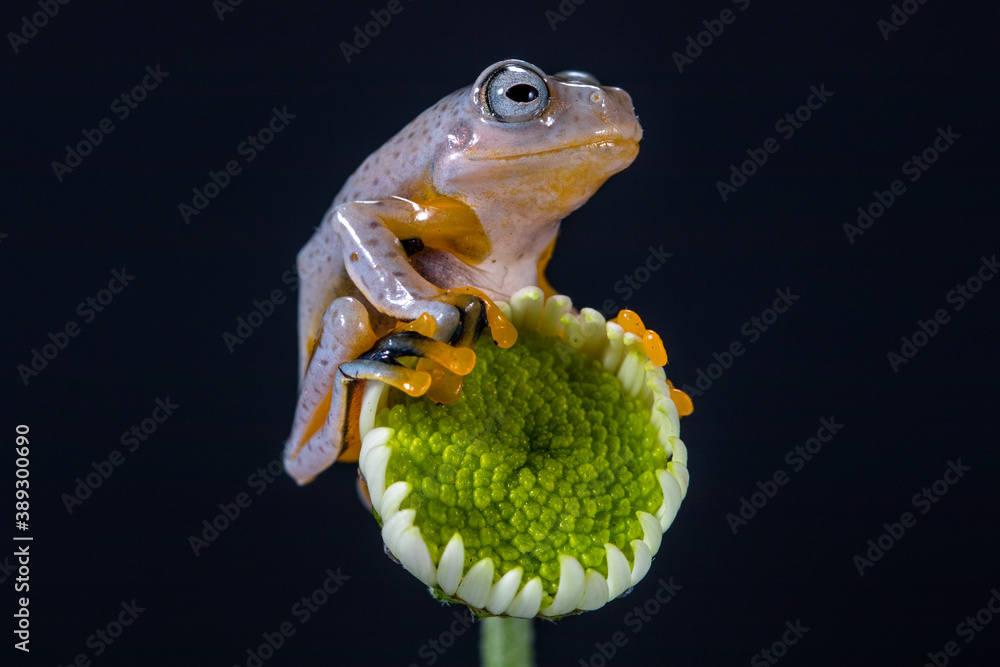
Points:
x=532, y=144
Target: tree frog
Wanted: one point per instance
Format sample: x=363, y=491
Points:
x=461, y=207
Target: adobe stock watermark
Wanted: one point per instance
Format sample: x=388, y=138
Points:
x=246, y=326
x=962, y=293
x=633, y=281
x=714, y=28
x=223, y=7
x=753, y=329
x=923, y=500
x=432, y=650
x=786, y=125
x=37, y=21
x=86, y=309
x=561, y=12
x=898, y=17
x=635, y=620
x=796, y=459
x=229, y=512
x=131, y=440
x=248, y=149
x=779, y=648
x=914, y=168
x=104, y=637
x=302, y=611
x=968, y=629
x=122, y=107
x=372, y=29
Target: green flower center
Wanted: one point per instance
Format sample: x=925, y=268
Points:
x=543, y=454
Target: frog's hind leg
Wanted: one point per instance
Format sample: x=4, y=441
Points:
x=320, y=426
x=325, y=422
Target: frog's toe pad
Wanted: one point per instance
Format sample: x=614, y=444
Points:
x=414, y=383
x=381, y=362
x=389, y=348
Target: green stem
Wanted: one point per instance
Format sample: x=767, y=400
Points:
x=507, y=642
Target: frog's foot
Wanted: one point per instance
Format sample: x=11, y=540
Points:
x=381, y=362
x=656, y=353
x=478, y=312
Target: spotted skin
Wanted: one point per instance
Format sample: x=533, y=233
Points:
x=476, y=186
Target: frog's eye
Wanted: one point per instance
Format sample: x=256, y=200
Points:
x=513, y=93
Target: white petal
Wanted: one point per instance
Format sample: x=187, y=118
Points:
x=527, y=602
x=595, y=594
x=413, y=553
x=399, y=523
x=370, y=404
x=475, y=587
x=619, y=573
x=570, y=591
x=661, y=422
x=451, y=564
x=526, y=307
x=642, y=561
x=613, y=351
x=652, y=533
x=675, y=419
x=503, y=592
x=680, y=473
x=630, y=372
x=375, y=439
x=374, y=471
x=572, y=331
x=594, y=332
x=680, y=450
x=550, y=323
x=671, y=498
x=391, y=499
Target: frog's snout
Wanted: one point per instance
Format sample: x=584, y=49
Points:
x=618, y=111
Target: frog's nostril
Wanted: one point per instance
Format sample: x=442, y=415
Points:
x=597, y=97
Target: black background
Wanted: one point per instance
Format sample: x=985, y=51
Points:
x=826, y=357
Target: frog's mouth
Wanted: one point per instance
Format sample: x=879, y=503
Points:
x=617, y=144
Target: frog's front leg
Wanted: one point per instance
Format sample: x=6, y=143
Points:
x=379, y=265
x=346, y=349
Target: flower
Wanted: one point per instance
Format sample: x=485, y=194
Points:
x=546, y=487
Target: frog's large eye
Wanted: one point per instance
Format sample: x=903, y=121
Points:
x=514, y=92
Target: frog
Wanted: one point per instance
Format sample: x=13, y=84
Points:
x=461, y=208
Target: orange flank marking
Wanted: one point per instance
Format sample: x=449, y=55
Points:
x=351, y=453
x=501, y=329
x=543, y=262
x=681, y=400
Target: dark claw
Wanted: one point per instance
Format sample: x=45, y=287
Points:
x=473, y=320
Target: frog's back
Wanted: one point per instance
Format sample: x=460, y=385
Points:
x=402, y=166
